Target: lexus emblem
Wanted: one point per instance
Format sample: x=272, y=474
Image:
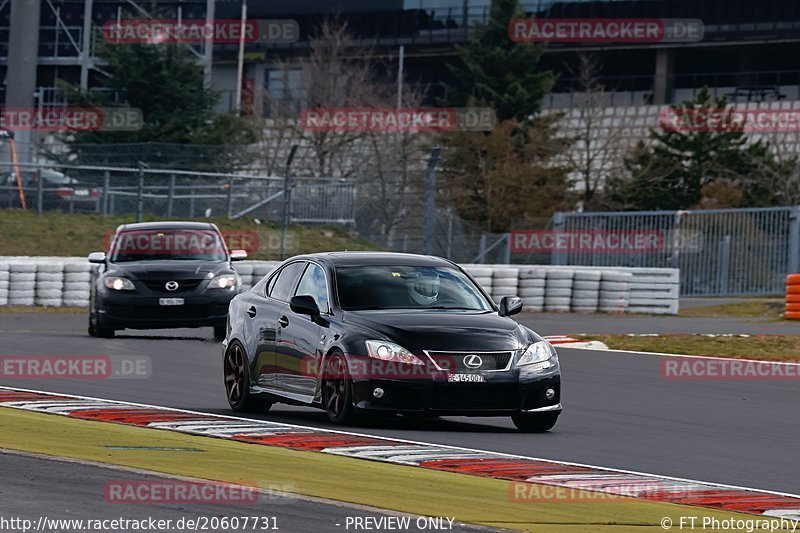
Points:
x=171, y=285
x=473, y=361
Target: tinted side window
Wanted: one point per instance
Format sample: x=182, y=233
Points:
x=283, y=286
x=313, y=284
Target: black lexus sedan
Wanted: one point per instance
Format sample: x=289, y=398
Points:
x=373, y=332
x=163, y=275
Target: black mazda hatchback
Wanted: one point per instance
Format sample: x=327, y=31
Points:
x=371, y=332
x=163, y=275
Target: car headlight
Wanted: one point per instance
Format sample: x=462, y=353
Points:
x=119, y=284
x=537, y=352
x=226, y=281
x=388, y=351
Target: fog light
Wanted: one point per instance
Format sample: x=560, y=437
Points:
x=550, y=394
x=378, y=393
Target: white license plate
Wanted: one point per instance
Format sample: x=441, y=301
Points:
x=170, y=301
x=465, y=378
x=81, y=192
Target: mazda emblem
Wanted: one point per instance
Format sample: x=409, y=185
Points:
x=473, y=361
x=171, y=285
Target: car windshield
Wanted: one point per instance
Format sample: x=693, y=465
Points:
x=407, y=287
x=167, y=244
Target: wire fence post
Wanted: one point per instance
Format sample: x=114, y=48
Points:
x=171, y=196
x=430, y=197
x=557, y=256
x=140, y=193
x=40, y=194
x=287, y=199
x=106, y=190
x=794, y=240
x=230, y=197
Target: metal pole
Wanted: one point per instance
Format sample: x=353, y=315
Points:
x=171, y=196
x=40, y=193
x=556, y=255
x=724, y=265
x=430, y=197
x=230, y=197
x=482, y=250
x=507, y=251
x=287, y=199
x=794, y=240
x=449, y=233
x=140, y=193
x=240, y=59
x=400, y=68
x=106, y=188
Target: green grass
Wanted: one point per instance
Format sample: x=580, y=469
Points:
x=58, y=234
x=763, y=347
x=470, y=499
x=757, y=308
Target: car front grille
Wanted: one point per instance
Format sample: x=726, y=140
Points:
x=184, y=285
x=458, y=361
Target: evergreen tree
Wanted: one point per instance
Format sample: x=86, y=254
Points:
x=497, y=72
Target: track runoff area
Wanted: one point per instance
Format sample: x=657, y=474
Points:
x=200, y=470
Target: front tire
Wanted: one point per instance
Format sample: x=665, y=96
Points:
x=337, y=392
x=236, y=372
x=98, y=329
x=535, y=422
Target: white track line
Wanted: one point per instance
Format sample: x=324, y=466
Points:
x=662, y=354
x=460, y=448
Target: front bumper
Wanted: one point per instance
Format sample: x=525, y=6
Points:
x=137, y=311
x=502, y=394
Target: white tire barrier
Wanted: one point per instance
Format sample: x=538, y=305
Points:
x=614, y=291
x=655, y=291
x=558, y=290
x=54, y=281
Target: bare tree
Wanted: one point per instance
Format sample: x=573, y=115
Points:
x=598, y=144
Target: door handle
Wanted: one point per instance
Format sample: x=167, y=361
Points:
x=251, y=312
x=283, y=321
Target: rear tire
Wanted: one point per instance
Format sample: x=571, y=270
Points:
x=337, y=390
x=236, y=373
x=535, y=422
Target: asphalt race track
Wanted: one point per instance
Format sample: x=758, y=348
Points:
x=619, y=412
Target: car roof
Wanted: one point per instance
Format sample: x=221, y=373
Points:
x=342, y=259
x=166, y=225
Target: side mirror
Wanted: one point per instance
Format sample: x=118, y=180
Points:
x=238, y=255
x=304, y=305
x=510, y=305
x=97, y=257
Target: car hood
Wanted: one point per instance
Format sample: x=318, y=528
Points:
x=444, y=330
x=159, y=270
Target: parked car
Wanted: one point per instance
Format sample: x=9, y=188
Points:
x=386, y=333
x=59, y=191
x=163, y=275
